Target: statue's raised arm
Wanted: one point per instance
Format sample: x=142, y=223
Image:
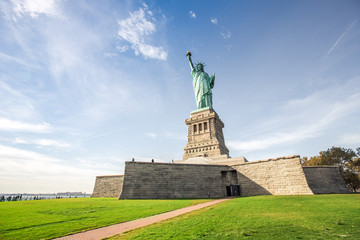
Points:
x=188, y=54
x=202, y=84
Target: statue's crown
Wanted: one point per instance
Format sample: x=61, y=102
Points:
x=200, y=63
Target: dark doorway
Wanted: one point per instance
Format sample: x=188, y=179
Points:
x=233, y=190
x=228, y=190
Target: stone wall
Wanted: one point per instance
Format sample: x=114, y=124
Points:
x=325, y=179
x=108, y=186
x=145, y=180
x=280, y=176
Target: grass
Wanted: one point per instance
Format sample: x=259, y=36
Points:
x=264, y=217
x=46, y=219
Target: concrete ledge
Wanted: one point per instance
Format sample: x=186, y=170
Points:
x=184, y=164
x=109, y=176
x=321, y=166
x=270, y=159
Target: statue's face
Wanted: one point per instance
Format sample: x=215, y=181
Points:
x=200, y=67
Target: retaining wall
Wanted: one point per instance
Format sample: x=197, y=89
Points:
x=325, y=179
x=145, y=180
x=279, y=176
x=108, y=186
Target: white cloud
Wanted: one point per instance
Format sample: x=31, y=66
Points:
x=108, y=54
x=351, y=139
x=226, y=35
x=19, y=154
x=305, y=118
x=168, y=135
x=43, y=142
x=175, y=136
x=192, y=14
x=16, y=126
x=134, y=30
x=28, y=171
x=19, y=140
x=67, y=67
x=49, y=142
x=122, y=48
x=6, y=58
x=214, y=20
x=14, y=104
x=100, y=89
x=34, y=8
x=152, y=135
x=275, y=139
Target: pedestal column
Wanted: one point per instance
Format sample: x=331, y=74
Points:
x=205, y=135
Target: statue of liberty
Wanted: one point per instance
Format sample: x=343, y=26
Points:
x=202, y=84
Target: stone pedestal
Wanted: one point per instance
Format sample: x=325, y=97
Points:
x=205, y=136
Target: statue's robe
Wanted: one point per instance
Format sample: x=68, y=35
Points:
x=202, y=84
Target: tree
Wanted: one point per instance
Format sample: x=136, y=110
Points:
x=347, y=160
x=352, y=180
x=312, y=161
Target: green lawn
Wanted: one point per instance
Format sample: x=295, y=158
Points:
x=46, y=219
x=264, y=217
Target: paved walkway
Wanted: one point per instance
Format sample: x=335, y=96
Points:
x=109, y=231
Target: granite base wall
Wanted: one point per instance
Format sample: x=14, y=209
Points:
x=325, y=179
x=167, y=181
x=108, y=186
x=279, y=176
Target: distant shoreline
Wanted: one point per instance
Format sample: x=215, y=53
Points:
x=48, y=194
x=10, y=197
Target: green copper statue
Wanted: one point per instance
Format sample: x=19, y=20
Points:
x=202, y=84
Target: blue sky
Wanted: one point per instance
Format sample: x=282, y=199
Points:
x=88, y=85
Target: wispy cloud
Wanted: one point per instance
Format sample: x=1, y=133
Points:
x=350, y=139
x=29, y=171
x=226, y=35
x=43, y=142
x=267, y=142
x=6, y=58
x=175, y=136
x=14, y=104
x=79, y=71
x=16, y=126
x=168, y=135
x=214, y=21
x=34, y=8
x=192, y=14
x=134, y=29
x=122, y=48
x=109, y=54
x=341, y=37
x=305, y=118
x=151, y=135
x=29, y=162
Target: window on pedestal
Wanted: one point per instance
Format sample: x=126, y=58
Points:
x=200, y=127
x=195, y=129
x=205, y=126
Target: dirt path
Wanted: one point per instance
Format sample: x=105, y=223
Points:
x=109, y=231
